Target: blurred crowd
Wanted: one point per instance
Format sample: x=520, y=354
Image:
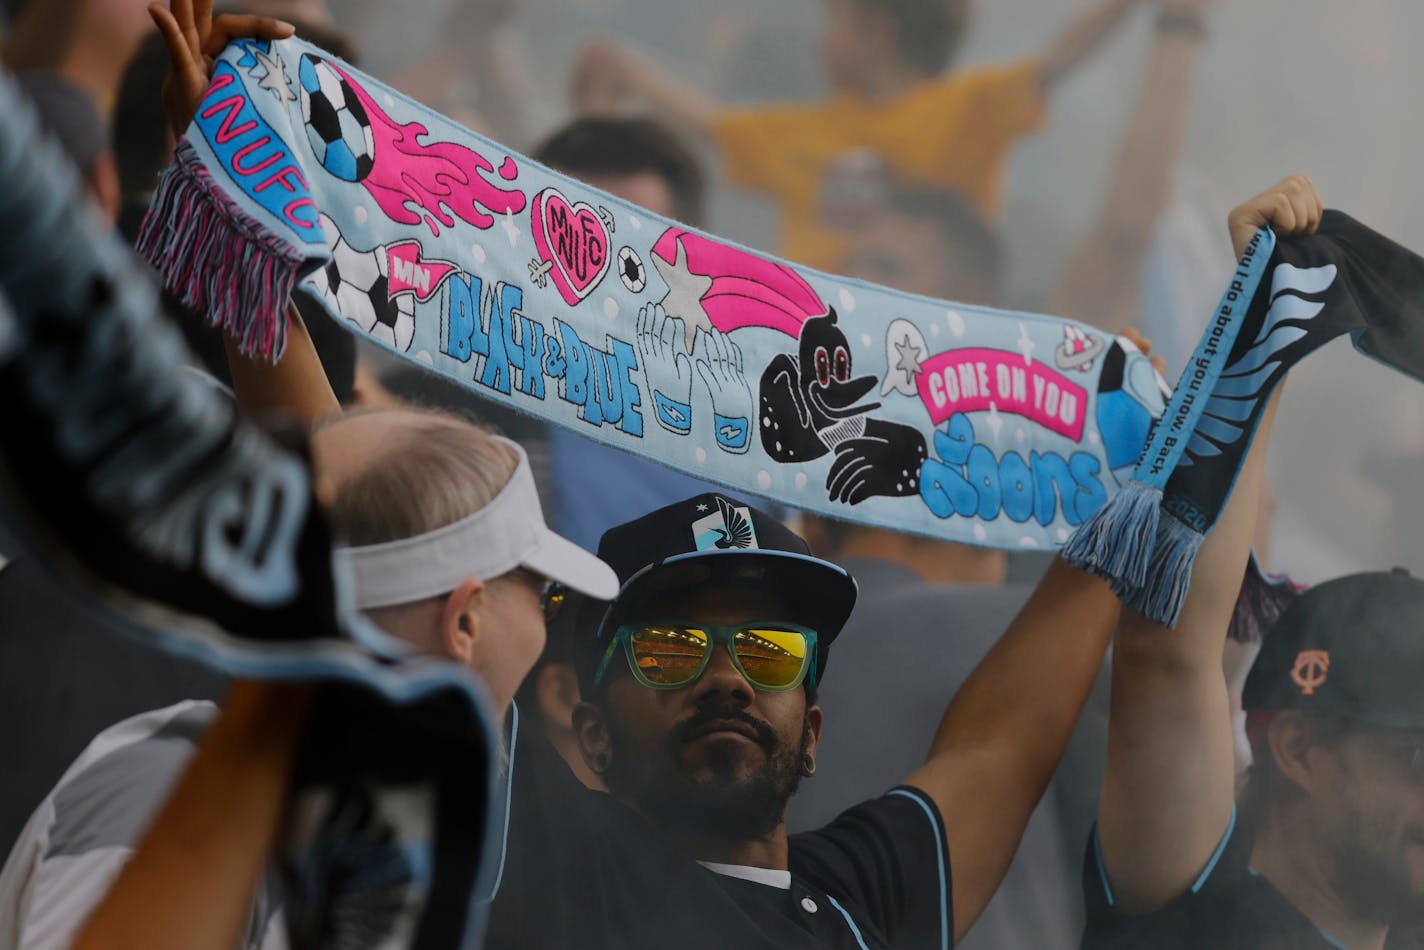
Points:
x=1073, y=158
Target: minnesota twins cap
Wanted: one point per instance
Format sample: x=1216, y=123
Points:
x=714, y=540
x=1352, y=647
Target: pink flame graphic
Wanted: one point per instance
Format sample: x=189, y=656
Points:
x=747, y=290
x=439, y=177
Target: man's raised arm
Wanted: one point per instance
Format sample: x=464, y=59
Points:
x=1006, y=728
x=192, y=877
x=1101, y=282
x=1005, y=731
x=1078, y=40
x=1169, y=790
x=296, y=384
x=1003, y=735
x=607, y=73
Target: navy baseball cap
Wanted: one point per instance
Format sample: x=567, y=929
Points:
x=716, y=540
x=1351, y=647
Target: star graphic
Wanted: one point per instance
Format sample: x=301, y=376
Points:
x=701, y=507
x=909, y=358
x=685, y=291
x=995, y=421
x=249, y=48
x=1025, y=343
x=510, y=228
x=275, y=81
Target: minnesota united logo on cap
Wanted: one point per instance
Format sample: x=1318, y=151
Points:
x=727, y=527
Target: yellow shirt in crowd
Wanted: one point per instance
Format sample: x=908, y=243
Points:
x=952, y=132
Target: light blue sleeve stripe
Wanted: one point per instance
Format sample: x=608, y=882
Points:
x=508, y=798
x=853, y=928
x=1201, y=878
x=1332, y=941
x=945, y=938
x=1102, y=871
x=1216, y=855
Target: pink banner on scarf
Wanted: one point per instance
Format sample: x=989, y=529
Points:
x=411, y=273
x=973, y=380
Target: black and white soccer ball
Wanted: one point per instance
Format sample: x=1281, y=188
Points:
x=338, y=127
x=630, y=268
x=355, y=285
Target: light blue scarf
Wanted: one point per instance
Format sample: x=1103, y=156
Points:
x=529, y=288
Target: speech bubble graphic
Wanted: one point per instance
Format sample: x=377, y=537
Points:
x=905, y=350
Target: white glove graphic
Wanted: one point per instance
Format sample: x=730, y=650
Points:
x=666, y=366
x=719, y=363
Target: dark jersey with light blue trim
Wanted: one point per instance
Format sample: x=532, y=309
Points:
x=582, y=870
x=1230, y=907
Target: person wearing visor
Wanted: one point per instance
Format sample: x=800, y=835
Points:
x=448, y=551
x=699, y=713
x=464, y=587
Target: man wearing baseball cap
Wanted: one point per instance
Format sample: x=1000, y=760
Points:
x=1324, y=848
x=699, y=685
x=1326, y=845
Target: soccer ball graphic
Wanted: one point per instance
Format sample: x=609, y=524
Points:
x=355, y=285
x=630, y=268
x=337, y=125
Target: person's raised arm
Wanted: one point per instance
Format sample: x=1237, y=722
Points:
x=1006, y=729
x=1169, y=789
x=1074, y=44
x=192, y=877
x=1101, y=280
x=607, y=73
x=297, y=384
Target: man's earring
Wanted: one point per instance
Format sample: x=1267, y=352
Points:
x=808, y=765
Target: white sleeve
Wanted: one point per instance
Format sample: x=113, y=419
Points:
x=64, y=892
x=83, y=833
x=17, y=877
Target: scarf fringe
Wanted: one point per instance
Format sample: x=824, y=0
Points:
x=1117, y=542
x=218, y=260
x=1169, y=573
x=1263, y=598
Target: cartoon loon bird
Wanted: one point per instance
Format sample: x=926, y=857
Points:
x=810, y=405
x=737, y=533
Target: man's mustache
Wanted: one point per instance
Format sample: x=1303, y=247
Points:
x=688, y=728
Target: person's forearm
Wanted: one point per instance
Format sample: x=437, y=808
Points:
x=1144, y=171
x=497, y=97
x=191, y=880
x=1101, y=280
x=1005, y=731
x=1080, y=38
x=669, y=97
x=296, y=385
x=1170, y=782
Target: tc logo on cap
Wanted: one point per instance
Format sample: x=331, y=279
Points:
x=1309, y=670
x=725, y=528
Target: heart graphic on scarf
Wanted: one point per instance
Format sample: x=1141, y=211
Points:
x=573, y=240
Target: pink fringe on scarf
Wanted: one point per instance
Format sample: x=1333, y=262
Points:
x=217, y=259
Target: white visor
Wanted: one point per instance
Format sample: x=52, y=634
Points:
x=508, y=532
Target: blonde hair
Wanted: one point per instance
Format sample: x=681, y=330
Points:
x=431, y=474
